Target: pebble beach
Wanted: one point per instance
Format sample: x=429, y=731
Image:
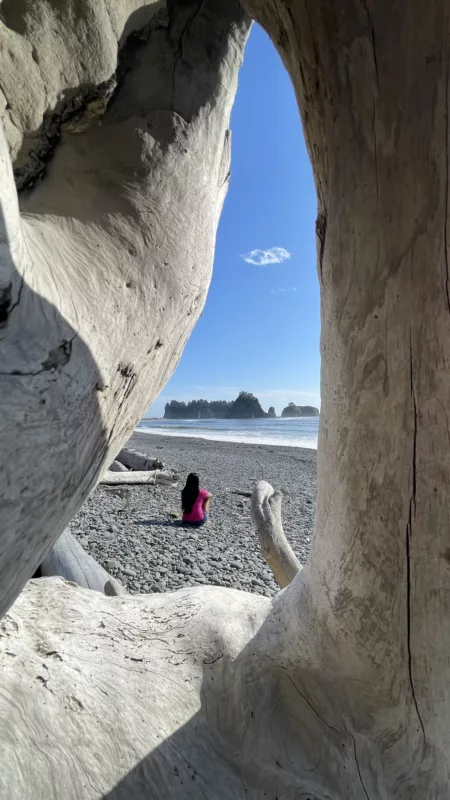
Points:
x=136, y=533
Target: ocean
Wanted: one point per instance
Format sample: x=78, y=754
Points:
x=286, y=432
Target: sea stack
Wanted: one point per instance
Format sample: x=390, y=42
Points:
x=299, y=411
x=246, y=406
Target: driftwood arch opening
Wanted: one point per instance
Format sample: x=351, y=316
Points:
x=339, y=688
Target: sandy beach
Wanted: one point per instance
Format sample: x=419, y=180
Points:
x=136, y=532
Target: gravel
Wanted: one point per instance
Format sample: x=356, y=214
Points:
x=135, y=532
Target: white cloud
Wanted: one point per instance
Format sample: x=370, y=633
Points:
x=281, y=291
x=261, y=258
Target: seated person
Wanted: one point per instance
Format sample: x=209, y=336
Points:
x=194, y=502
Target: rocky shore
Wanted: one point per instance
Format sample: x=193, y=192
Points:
x=137, y=535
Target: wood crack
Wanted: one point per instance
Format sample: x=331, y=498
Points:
x=5, y=304
x=408, y=538
x=56, y=359
x=51, y=129
x=6, y=307
x=213, y=661
x=308, y=702
x=447, y=288
x=414, y=454
x=372, y=38
x=49, y=135
x=358, y=767
x=375, y=155
x=321, y=232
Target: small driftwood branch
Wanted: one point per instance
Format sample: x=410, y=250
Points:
x=113, y=588
x=266, y=511
x=165, y=478
x=69, y=560
x=138, y=461
x=116, y=466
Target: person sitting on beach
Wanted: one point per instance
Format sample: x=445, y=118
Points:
x=194, y=501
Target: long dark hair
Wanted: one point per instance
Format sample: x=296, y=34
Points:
x=190, y=492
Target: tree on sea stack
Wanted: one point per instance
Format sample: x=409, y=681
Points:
x=292, y=410
x=246, y=406
x=340, y=687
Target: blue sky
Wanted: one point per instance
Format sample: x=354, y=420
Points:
x=260, y=327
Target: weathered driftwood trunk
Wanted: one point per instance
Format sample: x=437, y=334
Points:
x=266, y=510
x=340, y=687
x=116, y=466
x=372, y=83
x=151, y=477
x=124, y=164
x=138, y=461
x=69, y=560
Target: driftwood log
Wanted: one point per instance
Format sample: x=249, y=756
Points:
x=266, y=510
x=69, y=560
x=154, y=477
x=131, y=459
x=116, y=466
x=113, y=588
x=122, y=164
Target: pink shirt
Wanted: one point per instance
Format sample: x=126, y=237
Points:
x=196, y=515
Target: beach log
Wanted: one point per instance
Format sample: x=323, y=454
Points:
x=119, y=149
x=69, y=560
x=113, y=588
x=138, y=461
x=153, y=477
x=266, y=511
x=116, y=466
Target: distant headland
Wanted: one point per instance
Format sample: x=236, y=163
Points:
x=246, y=406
